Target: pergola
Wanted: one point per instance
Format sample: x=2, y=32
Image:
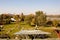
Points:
x=31, y=32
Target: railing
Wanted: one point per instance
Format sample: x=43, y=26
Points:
x=34, y=39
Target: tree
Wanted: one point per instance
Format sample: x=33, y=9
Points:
x=1, y=19
x=16, y=18
x=33, y=22
x=5, y=19
x=40, y=18
x=55, y=23
x=22, y=17
x=29, y=18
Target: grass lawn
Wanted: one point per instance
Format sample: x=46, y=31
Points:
x=15, y=27
x=50, y=30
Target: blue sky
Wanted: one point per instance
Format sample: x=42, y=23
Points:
x=30, y=6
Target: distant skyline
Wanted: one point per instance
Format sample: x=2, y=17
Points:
x=51, y=7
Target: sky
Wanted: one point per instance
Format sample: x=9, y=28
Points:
x=50, y=7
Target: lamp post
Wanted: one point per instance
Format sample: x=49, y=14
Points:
x=1, y=27
x=36, y=27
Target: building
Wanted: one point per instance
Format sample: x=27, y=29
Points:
x=53, y=17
